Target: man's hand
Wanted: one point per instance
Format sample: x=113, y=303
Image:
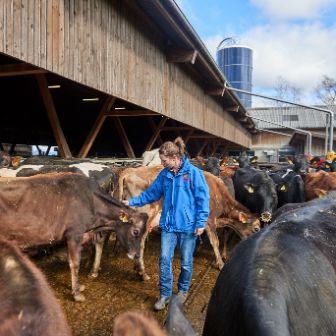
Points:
x=125, y=202
x=198, y=231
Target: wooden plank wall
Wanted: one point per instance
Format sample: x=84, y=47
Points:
x=100, y=43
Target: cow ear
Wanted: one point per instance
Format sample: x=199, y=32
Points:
x=123, y=216
x=283, y=187
x=320, y=192
x=243, y=217
x=249, y=187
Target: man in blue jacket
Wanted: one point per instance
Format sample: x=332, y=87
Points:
x=184, y=214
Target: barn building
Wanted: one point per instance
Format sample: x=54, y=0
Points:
x=102, y=78
x=274, y=142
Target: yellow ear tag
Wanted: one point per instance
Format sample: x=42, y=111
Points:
x=327, y=166
x=283, y=188
x=250, y=190
x=290, y=161
x=123, y=217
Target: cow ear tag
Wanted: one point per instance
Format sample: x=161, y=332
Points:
x=290, y=161
x=123, y=217
x=249, y=188
x=283, y=188
x=242, y=218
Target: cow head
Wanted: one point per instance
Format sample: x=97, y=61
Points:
x=244, y=226
x=130, y=229
x=5, y=160
x=263, y=191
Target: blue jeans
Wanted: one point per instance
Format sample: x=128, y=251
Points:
x=186, y=243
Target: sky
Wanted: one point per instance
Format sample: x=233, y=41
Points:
x=292, y=39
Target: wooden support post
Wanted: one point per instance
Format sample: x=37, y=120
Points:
x=124, y=138
x=214, y=147
x=53, y=118
x=202, y=148
x=96, y=127
x=188, y=136
x=156, y=133
x=153, y=127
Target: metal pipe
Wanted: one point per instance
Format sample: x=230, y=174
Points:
x=329, y=112
x=275, y=132
x=309, y=134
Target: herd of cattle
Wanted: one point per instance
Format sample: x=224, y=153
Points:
x=272, y=281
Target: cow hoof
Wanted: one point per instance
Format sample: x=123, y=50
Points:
x=220, y=266
x=93, y=275
x=82, y=288
x=79, y=297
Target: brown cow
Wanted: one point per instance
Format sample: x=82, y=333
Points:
x=319, y=183
x=47, y=208
x=28, y=305
x=224, y=210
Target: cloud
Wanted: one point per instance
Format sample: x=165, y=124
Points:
x=293, y=9
x=301, y=54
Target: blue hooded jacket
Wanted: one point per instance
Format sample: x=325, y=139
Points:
x=186, y=198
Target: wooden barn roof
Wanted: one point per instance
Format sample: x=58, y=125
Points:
x=149, y=77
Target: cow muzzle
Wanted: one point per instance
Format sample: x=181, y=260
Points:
x=266, y=217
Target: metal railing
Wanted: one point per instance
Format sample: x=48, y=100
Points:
x=329, y=124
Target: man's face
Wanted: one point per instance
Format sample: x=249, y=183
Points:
x=169, y=162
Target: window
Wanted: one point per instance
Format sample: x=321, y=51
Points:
x=290, y=117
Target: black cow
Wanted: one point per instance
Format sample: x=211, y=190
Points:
x=289, y=182
x=212, y=165
x=281, y=281
x=256, y=190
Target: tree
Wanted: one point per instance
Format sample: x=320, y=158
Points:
x=326, y=91
x=286, y=91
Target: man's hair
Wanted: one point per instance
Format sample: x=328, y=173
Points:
x=170, y=148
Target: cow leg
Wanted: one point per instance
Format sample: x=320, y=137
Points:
x=213, y=238
x=226, y=235
x=74, y=252
x=100, y=240
x=139, y=264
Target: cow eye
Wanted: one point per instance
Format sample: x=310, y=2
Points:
x=136, y=232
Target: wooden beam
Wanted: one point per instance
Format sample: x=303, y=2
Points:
x=123, y=135
x=153, y=127
x=177, y=55
x=130, y=113
x=19, y=69
x=219, y=91
x=176, y=128
x=231, y=108
x=185, y=38
x=156, y=133
x=215, y=145
x=187, y=137
x=202, y=136
x=108, y=104
x=53, y=118
x=202, y=148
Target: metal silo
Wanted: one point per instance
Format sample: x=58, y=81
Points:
x=236, y=63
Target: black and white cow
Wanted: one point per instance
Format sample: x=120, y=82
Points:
x=103, y=174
